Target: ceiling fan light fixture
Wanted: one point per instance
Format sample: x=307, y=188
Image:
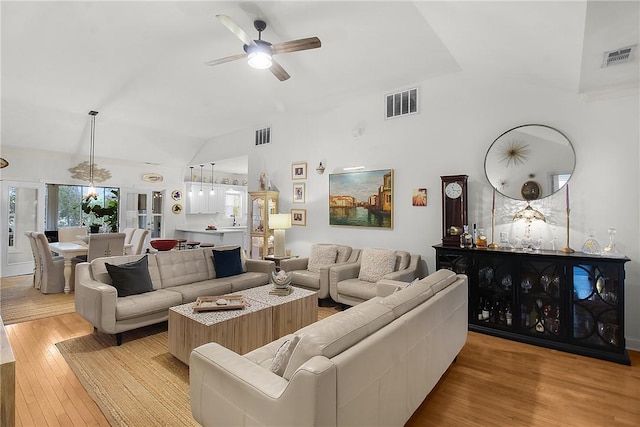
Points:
x=259, y=59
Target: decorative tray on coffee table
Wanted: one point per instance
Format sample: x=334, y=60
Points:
x=220, y=302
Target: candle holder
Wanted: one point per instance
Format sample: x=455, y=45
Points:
x=493, y=245
x=567, y=249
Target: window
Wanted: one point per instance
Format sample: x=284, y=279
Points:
x=64, y=206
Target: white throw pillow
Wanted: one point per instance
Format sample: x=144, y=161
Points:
x=376, y=263
x=321, y=256
x=281, y=359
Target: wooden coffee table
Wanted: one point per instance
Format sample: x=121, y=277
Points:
x=266, y=318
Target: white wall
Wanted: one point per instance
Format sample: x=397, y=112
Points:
x=460, y=116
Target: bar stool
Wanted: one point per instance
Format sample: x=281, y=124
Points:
x=181, y=243
x=207, y=245
x=192, y=245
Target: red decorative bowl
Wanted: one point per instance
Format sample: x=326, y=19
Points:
x=163, y=244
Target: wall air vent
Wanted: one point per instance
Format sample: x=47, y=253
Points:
x=263, y=136
x=619, y=56
x=402, y=103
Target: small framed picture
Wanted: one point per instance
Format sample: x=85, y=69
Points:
x=419, y=197
x=298, y=217
x=299, y=193
x=299, y=170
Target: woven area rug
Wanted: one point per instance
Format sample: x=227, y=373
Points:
x=20, y=301
x=136, y=384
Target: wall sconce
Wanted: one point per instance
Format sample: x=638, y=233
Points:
x=320, y=169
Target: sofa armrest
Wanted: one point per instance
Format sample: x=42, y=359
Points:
x=95, y=301
x=385, y=287
x=339, y=273
x=293, y=264
x=260, y=266
x=226, y=388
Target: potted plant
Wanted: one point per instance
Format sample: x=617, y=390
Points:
x=108, y=214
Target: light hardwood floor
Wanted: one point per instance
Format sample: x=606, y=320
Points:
x=494, y=382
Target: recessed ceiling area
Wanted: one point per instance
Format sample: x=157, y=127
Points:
x=142, y=64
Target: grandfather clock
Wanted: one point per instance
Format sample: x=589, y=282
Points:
x=454, y=208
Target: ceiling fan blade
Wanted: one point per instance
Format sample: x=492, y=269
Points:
x=278, y=71
x=226, y=59
x=296, y=45
x=235, y=29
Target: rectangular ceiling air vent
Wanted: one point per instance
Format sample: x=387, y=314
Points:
x=263, y=136
x=402, y=103
x=619, y=56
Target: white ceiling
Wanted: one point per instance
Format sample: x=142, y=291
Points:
x=141, y=64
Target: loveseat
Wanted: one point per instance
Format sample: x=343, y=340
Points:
x=355, y=283
x=370, y=365
x=312, y=272
x=176, y=277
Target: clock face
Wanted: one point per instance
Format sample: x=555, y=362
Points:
x=453, y=190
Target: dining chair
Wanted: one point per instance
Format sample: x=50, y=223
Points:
x=105, y=245
x=51, y=267
x=137, y=241
x=36, y=259
x=128, y=234
x=69, y=234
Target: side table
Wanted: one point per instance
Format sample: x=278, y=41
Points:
x=277, y=259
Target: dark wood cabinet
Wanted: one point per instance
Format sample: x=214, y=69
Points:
x=569, y=302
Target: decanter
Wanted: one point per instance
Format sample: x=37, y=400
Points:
x=591, y=245
x=611, y=249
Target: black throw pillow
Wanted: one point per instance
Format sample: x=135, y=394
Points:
x=227, y=263
x=131, y=278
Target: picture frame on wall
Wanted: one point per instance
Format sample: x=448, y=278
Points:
x=299, y=170
x=361, y=199
x=419, y=197
x=298, y=217
x=299, y=192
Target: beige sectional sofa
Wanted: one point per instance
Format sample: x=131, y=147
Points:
x=312, y=272
x=370, y=365
x=177, y=277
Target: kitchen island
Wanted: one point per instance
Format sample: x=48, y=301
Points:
x=223, y=236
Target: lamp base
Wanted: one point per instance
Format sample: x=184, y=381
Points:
x=278, y=243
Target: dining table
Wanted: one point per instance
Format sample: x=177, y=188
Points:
x=68, y=250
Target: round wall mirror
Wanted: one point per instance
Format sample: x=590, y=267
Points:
x=529, y=162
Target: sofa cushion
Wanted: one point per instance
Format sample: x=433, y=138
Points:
x=376, y=263
x=322, y=255
x=408, y=298
x=306, y=278
x=182, y=267
x=150, y=303
x=130, y=278
x=191, y=291
x=281, y=359
x=402, y=260
x=247, y=280
x=336, y=333
x=227, y=263
x=344, y=252
x=356, y=288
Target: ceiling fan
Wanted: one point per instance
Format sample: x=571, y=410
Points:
x=260, y=52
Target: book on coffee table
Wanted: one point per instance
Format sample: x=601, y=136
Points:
x=281, y=291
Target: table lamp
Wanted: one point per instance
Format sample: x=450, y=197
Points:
x=278, y=223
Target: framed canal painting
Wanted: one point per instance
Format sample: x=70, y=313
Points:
x=361, y=199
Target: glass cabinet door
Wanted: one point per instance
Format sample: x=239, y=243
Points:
x=541, y=309
x=494, y=302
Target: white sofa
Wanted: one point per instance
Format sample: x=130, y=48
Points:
x=312, y=272
x=370, y=365
x=178, y=277
x=350, y=284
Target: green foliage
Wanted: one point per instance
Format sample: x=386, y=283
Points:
x=108, y=213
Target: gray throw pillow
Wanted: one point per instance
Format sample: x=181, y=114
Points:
x=131, y=278
x=281, y=359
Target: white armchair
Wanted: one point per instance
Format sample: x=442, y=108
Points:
x=312, y=272
x=352, y=284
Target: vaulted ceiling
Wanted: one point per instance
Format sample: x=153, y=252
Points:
x=141, y=64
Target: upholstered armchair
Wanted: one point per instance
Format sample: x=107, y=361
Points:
x=352, y=284
x=312, y=272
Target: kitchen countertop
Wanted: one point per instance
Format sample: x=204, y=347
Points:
x=221, y=230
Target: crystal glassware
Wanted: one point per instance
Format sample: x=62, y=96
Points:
x=526, y=285
x=591, y=245
x=611, y=249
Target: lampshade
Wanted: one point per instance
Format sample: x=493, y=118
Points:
x=260, y=60
x=279, y=221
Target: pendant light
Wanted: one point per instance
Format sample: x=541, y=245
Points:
x=92, y=190
x=191, y=179
x=201, y=166
x=212, y=192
